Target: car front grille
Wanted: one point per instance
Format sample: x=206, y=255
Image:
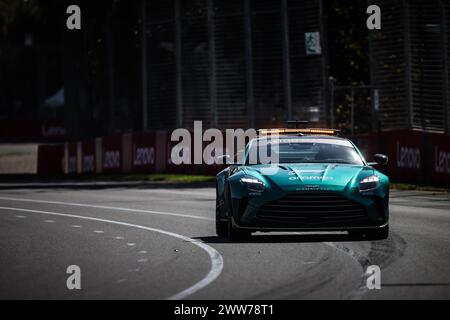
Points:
x=312, y=207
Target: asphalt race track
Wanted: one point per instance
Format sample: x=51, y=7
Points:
x=159, y=242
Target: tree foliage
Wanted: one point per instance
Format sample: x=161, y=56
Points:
x=348, y=42
x=11, y=10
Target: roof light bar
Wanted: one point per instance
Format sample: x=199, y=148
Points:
x=310, y=131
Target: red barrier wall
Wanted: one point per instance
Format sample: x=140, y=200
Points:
x=112, y=154
x=414, y=156
x=441, y=157
x=143, y=150
x=88, y=158
x=50, y=159
x=173, y=168
x=70, y=158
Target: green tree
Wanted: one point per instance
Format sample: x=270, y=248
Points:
x=11, y=10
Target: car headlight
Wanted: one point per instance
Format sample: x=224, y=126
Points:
x=369, y=183
x=253, y=184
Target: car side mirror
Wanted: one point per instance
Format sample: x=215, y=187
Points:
x=379, y=159
x=226, y=159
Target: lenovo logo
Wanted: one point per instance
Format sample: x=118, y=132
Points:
x=144, y=156
x=111, y=160
x=88, y=163
x=52, y=132
x=408, y=157
x=442, y=161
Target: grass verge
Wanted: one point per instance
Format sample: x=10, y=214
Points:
x=407, y=186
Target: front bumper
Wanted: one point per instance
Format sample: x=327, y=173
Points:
x=311, y=211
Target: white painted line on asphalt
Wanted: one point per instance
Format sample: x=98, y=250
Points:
x=20, y=217
x=119, y=238
x=142, y=252
x=186, y=193
x=107, y=208
x=50, y=221
x=130, y=244
x=142, y=260
x=215, y=257
x=99, y=231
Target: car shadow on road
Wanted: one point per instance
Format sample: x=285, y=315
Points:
x=285, y=238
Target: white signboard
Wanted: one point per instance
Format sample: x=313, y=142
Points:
x=312, y=43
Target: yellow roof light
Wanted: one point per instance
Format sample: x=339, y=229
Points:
x=323, y=131
x=310, y=131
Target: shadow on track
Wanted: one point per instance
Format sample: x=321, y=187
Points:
x=294, y=238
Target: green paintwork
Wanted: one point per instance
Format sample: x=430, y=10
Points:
x=285, y=179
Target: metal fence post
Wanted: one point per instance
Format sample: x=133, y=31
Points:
x=286, y=59
x=445, y=95
x=331, y=85
x=407, y=52
x=324, y=58
x=249, y=63
x=178, y=66
x=352, y=119
x=212, y=63
x=144, y=67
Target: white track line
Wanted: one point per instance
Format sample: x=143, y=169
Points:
x=214, y=255
x=107, y=208
x=186, y=193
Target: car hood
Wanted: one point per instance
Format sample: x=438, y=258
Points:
x=337, y=176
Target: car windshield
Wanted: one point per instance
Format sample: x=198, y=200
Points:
x=303, y=151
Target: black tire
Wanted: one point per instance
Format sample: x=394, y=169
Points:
x=370, y=234
x=235, y=234
x=221, y=226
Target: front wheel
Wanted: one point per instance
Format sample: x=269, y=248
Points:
x=370, y=234
x=221, y=226
x=235, y=234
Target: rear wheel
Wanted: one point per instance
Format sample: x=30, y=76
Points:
x=370, y=234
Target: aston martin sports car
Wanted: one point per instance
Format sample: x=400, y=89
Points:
x=315, y=181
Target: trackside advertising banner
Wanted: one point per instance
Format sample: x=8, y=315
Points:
x=414, y=156
x=50, y=159
x=88, y=157
x=70, y=155
x=112, y=154
x=143, y=152
x=441, y=159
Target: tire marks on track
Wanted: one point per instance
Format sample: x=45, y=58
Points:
x=382, y=253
